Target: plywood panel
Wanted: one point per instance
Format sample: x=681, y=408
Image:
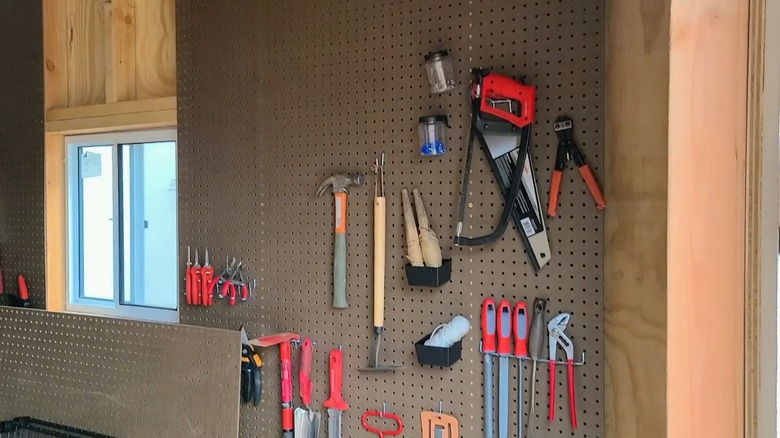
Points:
x=635, y=258
x=120, y=50
x=118, y=377
x=55, y=49
x=706, y=234
x=56, y=213
x=86, y=52
x=155, y=48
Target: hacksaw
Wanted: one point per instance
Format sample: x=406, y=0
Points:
x=502, y=114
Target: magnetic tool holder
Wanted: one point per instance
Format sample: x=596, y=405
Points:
x=528, y=358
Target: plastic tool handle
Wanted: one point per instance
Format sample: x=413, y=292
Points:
x=593, y=186
x=538, y=330
x=244, y=291
x=555, y=187
x=551, y=412
x=572, y=406
x=497, y=87
x=23, y=295
x=188, y=283
x=304, y=373
x=520, y=326
x=504, y=327
x=232, y=298
x=195, y=274
x=379, y=261
x=286, y=394
x=206, y=275
x=489, y=326
x=340, y=252
x=334, y=368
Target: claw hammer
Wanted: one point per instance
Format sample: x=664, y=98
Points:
x=339, y=185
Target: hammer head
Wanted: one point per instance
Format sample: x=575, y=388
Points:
x=341, y=182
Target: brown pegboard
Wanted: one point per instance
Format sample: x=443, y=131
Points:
x=21, y=148
x=274, y=99
x=117, y=377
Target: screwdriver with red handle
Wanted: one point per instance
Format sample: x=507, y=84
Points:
x=488, y=348
x=195, y=275
x=520, y=331
x=206, y=275
x=188, y=277
x=504, y=332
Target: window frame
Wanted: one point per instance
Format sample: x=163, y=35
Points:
x=74, y=301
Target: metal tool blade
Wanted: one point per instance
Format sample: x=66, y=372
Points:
x=314, y=419
x=519, y=399
x=334, y=423
x=438, y=432
x=373, y=359
x=488, y=385
x=503, y=397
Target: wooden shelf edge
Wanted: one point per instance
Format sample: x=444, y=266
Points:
x=159, y=118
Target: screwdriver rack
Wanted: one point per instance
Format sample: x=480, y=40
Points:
x=581, y=362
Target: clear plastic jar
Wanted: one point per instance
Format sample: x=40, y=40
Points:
x=433, y=135
x=441, y=76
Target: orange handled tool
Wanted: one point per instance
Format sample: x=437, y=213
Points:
x=24, y=297
x=335, y=404
x=568, y=150
x=304, y=373
x=520, y=331
x=206, y=276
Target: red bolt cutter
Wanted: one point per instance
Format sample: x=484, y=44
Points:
x=568, y=150
x=556, y=329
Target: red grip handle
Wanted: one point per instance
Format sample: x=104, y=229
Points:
x=334, y=368
x=188, y=283
x=304, y=373
x=207, y=274
x=572, y=407
x=504, y=327
x=196, y=287
x=286, y=369
x=244, y=291
x=555, y=187
x=23, y=295
x=520, y=325
x=496, y=87
x=489, y=325
x=551, y=412
x=232, y=300
x=593, y=186
x=287, y=419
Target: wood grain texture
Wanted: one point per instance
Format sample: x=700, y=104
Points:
x=155, y=48
x=635, y=188
x=86, y=52
x=55, y=212
x=120, y=51
x=55, y=49
x=706, y=237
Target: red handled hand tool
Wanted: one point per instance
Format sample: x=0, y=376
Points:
x=195, y=274
x=304, y=373
x=243, y=286
x=557, y=336
x=568, y=150
x=520, y=331
x=206, y=276
x=188, y=277
x=488, y=347
x=504, y=332
x=287, y=408
x=229, y=287
x=24, y=297
x=384, y=415
x=335, y=404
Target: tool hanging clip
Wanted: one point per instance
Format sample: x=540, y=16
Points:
x=567, y=151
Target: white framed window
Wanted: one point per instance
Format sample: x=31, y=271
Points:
x=122, y=226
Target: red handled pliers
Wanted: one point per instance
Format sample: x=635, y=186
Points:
x=568, y=150
x=556, y=329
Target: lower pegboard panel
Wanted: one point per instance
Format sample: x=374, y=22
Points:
x=117, y=377
x=274, y=98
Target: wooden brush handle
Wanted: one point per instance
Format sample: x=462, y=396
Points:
x=379, y=261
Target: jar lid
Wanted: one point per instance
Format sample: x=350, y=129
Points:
x=430, y=120
x=435, y=56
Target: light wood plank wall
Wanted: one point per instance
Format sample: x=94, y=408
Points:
x=637, y=109
x=106, y=51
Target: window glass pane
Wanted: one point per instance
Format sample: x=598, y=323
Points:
x=96, y=226
x=149, y=225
